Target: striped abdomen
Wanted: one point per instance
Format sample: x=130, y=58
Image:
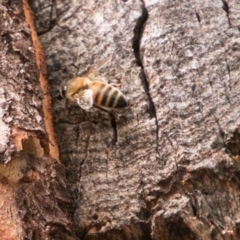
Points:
x=104, y=95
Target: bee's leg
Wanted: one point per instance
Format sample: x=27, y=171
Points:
x=115, y=116
x=117, y=85
x=111, y=113
x=89, y=119
x=114, y=120
x=67, y=109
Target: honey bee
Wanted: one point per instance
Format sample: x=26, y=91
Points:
x=88, y=91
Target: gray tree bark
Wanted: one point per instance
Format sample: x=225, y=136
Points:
x=170, y=168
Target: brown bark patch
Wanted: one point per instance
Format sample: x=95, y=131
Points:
x=43, y=82
x=10, y=225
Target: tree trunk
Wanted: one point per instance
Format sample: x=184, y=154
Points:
x=34, y=197
x=168, y=167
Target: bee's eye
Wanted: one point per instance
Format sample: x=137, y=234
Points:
x=63, y=91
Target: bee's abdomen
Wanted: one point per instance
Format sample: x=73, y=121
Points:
x=116, y=99
x=108, y=96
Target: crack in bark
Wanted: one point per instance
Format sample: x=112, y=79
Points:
x=232, y=145
x=138, y=31
x=209, y=81
x=85, y=159
x=115, y=132
x=198, y=16
x=229, y=73
x=225, y=89
x=225, y=7
x=221, y=132
x=53, y=17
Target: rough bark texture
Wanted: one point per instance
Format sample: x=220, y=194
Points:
x=34, y=200
x=170, y=168
x=18, y=76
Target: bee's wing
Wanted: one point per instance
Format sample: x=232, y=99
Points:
x=93, y=71
x=84, y=99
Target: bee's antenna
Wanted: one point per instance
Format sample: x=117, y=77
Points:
x=56, y=90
